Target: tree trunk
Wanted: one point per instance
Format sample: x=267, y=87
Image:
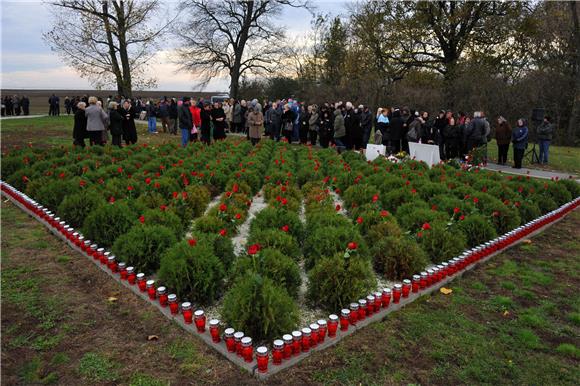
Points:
x=126, y=67
x=235, y=82
x=574, y=123
x=114, y=62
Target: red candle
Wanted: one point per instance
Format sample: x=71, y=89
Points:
x=378, y=300
x=430, y=277
x=445, y=269
x=141, y=282
x=150, y=285
x=314, y=335
x=386, y=297
x=93, y=251
x=162, y=296
x=344, y=319
x=278, y=351
x=332, y=325
x=229, y=338
x=397, y=290
x=322, y=327
x=288, y=345
x=306, y=334
x=173, y=306
x=247, y=349
x=406, y=288
x=371, y=304
x=262, y=358
x=111, y=263
x=238, y=335
x=200, y=320
x=362, y=309
x=214, y=330
x=122, y=267
x=102, y=256
x=296, y=342
x=353, y=317
x=187, y=313
x=441, y=272
x=416, y=283
x=81, y=242
x=131, y=276
x=87, y=247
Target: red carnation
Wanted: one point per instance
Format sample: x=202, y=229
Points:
x=120, y=170
x=475, y=200
x=384, y=213
x=413, y=191
x=228, y=194
x=461, y=218
x=337, y=207
x=456, y=210
x=235, y=188
x=223, y=232
x=82, y=183
x=223, y=207
x=61, y=176
x=253, y=249
x=175, y=194
x=142, y=219
x=352, y=245
x=163, y=207
x=359, y=220
x=238, y=216
x=426, y=226
x=147, y=180
x=192, y=242
x=495, y=213
x=420, y=234
x=283, y=188
x=285, y=228
x=284, y=201
x=112, y=199
x=184, y=195
x=375, y=198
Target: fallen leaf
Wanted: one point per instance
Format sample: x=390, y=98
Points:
x=506, y=313
x=445, y=291
x=527, y=241
x=112, y=299
x=152, y=337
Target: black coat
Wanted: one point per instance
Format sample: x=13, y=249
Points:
x=115, y=122
x=396, y=129
x=80, y=127
x=128, y=125
x=185, y=119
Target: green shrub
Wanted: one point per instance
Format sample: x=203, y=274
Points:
x=336, y=281
x=152, y=200
x=193, y=272
x=76, y=207
x=559, y=193
x=209, y=224
x=222, y=247
x=198, y=198
x=431, y=189
x=143, y=246
x=359, y=194
x=395, y=198
x=276, y=219
x=528, y=211
x=106, y=223
x=398, y=257
x=166, y=218
x=545, y=203
x=572, y=186
x=276, y=239
x=440, y=243
x=477, y=229
x=272, y=264
x=53, y=192
x=416, y=218
x=327, y=241
x=260, y=308
x=385, y=229
x=324, y=218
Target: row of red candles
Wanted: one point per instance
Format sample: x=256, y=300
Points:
x=298, y=341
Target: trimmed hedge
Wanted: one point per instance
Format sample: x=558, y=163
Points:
x=106, y=223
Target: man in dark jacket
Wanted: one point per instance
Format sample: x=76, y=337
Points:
x=395, y=132
x=185, y=121
x=366, y=124
x=80, y=127
x=173, y=116
x=545, y=132
x=352, y=127
x=439, y=127
x=475, y=132
x=274, y=119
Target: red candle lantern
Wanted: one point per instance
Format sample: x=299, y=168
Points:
x=386, y=297
x=416, y=283
x=362, y=309
x=406, y=288
x=344, y=319
x=314, y=334
x=332, y=325
x=150, y=285
x=353, y=317
x=87, y=247
x=306, y=334
x=322, y=328
x=296, y=342
x=200, y=320
x=81, y=242
x=378, y=300
x=277, y=351
x=247, y=349
x=93, y=251
x=229, y=338
x=262, y=358
x=288, y=345
x=101, y=255
x=122, y=267
x=187, y=312
x=162, y=296
x=173, y=306
x=397, y=291
x=75, y=239
x=371, y=304
x=445, y=269
x=238, y=335
x=111, y=263
x=141, y=282
x=131, y=276
x=214, y=330
x=430, y=277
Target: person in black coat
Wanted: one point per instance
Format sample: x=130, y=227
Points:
x=115, y=124
x=25, y=105
x=395, y=132
x=304, y=125
x=218, y=117
x=129, y=129
x=428, y=132
x=173, y=116
x=205, y=115
x=352, y=126
x=80, y=126
x=439, y=126
x=325, y=131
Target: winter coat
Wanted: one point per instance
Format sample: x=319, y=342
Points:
x=503, y=134
x=287, y=120
x=313, y=122
x=195, y=116
x=366, y=120
x=451, y=132
x=476, y=130
x=96, y=118
x=151, y=111
x=163, y=110
x=414, y=132
x=255, y=123
x=396, y=127
x=545, y=131
x=185, y=118
x=173, y=110
x=237, y=113
x=520, y=137
x=115, y=122
x=80, y=127
x=352, y=124
x=275, y=116
x=339, y=128
x=428, y=133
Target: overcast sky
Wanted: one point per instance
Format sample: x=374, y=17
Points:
x=28, y=63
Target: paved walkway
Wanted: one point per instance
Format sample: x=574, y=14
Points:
x=22, y=117
x=528, y=172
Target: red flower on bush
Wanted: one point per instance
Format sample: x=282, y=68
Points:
x=163, y=207
x=375, y=198
x=175, y=194
x=223, y=207
x=278, y=198
x=456, y=210
x=285, y=228
x=475, y=200
x=228, y=194
x=461, y=218
x=235, y=188
x=413, y=191
x=253, y=249
x=284, y=201
x=142, y=219
x=120, y=169
x=352, y=246
x=192, y=242
x=495, y=213
x=112, y=199
x=384, y=213
x=283, y=188
x=359, y=220
x=184, y=195
x=420, y=234
x=433, y=207
x=337, y=207
x=223, y=232
x=426, y=226
x=61, y=176
x=238, y=216
x=82, y=183
x=148, y=180
x=130, y=188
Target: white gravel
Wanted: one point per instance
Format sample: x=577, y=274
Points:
x=240, y=240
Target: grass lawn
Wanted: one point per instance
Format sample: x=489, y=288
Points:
x=561, y=158
x=514, y=320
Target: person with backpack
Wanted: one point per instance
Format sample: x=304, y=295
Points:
x=414, y=133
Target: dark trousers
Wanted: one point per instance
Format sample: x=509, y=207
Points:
x=116, y=140
x=274, y=133
x=96, y=138
x=79, y=142
x=303, y=135
x=451, y=148
x=288, y=135
x=502, y=152
x=518, y=157
x=324, y=139
x=312, y=134
x=544, y=150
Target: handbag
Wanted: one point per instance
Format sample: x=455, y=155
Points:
x=194, y=130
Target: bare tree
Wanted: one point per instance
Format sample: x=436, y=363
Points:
x=574, y=123
x=233, y=38
x=108, y=42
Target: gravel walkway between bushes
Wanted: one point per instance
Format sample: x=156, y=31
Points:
x=240, y=240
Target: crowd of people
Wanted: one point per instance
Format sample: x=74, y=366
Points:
x=15, y=106
x=339, y=124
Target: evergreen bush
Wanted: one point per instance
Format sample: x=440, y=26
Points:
x=106, y=223
x=143, y=245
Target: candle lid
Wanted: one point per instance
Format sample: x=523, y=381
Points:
x=362, y=302
x=416, y=277
x=130, y=269
x=140, y=276
x=321, y=322
x=150, y=283
x=262, y=350
x=186, y=305
x=296, y=334
x=214, y=322
x=122, y=265
x=314, y=326
x=306, y=331
x=94, y=246
x=76, y=234
x=430, y=271
x=444, y=264
x=88, y=242
x=198, y=313
x=398, y=286
x=238, y=335
x=387, y=290
x=286, y=337
x=101, y=250
x=333, y=317
x=377, y=295
x=106, y=254
x=435, y=269
x=172, y=297
x=246, y=341
x=345, y=312
x=279, y=343
x=229, y=332
x=161, y=290
x=81, y=238
x=354, y=306
x=370, y=298
x=111, y=258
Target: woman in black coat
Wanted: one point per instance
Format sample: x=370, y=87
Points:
x=80, y=127
x=129, y=129
x=218, y=117
x=115, y=124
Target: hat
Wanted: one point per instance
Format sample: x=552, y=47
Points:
x=186, y=99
